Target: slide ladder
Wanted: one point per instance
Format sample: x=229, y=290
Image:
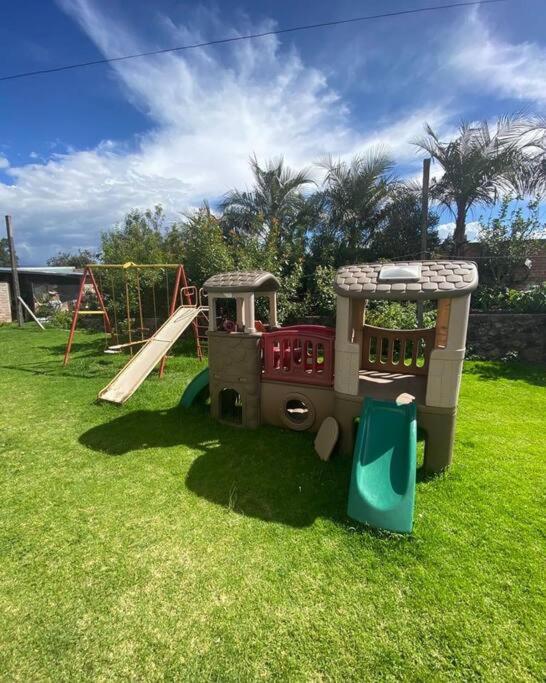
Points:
x=131, y=376
x=382, y=490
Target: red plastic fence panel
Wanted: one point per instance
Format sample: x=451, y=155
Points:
x=300, y=354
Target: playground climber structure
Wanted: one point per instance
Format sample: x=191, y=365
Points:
x=370, y=387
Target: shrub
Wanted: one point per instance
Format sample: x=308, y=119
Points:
x=60, y=319
x=532, y=300
x=324, y=298
x=395, y=315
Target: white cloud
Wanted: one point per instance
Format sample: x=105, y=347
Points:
x=209, y=110
x=472, y=230
x=4, y=163
x=516, y=71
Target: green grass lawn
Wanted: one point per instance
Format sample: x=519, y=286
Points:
x=146, y=543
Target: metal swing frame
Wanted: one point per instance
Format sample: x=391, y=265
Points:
x=180, y=288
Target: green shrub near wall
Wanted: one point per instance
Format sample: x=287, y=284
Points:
x=494, y=299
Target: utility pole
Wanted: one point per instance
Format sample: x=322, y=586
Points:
x=424, y=228
x=14, y=274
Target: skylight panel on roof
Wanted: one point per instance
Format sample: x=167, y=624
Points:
x=395, y=273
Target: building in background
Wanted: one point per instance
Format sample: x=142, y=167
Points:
x=39, y=285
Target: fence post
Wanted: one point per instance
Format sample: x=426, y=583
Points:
x=424, y=228
x=14, y=274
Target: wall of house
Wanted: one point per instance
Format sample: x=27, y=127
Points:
x=499, y=335
x=5, y=303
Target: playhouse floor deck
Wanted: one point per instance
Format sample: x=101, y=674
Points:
x=389, y=385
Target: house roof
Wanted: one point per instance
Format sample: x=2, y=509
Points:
x=407, y=280
x=45, y=270
x=242, y=281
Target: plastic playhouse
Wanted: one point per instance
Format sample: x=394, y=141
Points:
x=310, y=377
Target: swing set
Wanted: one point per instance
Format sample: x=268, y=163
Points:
x=126, y=326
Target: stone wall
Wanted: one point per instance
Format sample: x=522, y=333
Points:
x=496, y=335
x=5, y=304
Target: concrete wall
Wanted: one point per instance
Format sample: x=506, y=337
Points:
x=5, y=304
x=494, y=335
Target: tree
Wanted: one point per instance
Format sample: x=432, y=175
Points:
x=354, y=198
x=477, y=165
x=203, y=245
x=399, y=235
x=531, y=176
x=138, y=238
x=4, y=253
x=507, y=241
x=77, y=259
x=273, y=207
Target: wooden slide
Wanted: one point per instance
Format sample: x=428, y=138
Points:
x=131, y=376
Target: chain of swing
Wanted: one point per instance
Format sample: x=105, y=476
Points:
x=114, y=337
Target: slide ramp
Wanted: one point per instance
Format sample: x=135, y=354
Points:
x=131, y=376
x=382, y=490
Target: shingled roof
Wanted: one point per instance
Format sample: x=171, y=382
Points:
x=239, y=281
x=434, y=280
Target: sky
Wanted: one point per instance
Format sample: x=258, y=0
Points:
x=79, y=148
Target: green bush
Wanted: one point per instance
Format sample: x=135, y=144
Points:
x=60, y=319
x=323, y=297
x=492, y=299
x=395, y=315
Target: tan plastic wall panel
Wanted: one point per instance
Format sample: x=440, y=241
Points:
x=274, y=396
x=347, y=353
x=446, y=365
x=326, y=438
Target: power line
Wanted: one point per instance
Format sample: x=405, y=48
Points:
x=223, y=41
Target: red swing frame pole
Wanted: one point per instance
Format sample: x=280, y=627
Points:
x=87, y=272
x=174, y=297
x=107, y=323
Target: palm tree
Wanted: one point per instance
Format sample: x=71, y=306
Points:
x=354, y=197
x=272, y=205
x=477, y=165
x=530, y=177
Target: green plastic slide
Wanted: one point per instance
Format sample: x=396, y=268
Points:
x=382, y=491
x=198, y=385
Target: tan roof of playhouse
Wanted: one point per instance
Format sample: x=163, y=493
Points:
x=240, y=281
x=431, y=280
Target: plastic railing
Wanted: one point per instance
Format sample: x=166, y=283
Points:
x=299, y=354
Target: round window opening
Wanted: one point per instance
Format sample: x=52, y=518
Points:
x=297, y=411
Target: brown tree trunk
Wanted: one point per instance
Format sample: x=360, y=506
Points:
x=459, y=236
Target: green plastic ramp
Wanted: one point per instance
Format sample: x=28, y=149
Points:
x=382, y=491
x=198, y=384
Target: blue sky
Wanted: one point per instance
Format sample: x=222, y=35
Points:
x=80, y=148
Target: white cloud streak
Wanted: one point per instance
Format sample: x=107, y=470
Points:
x=515, y=71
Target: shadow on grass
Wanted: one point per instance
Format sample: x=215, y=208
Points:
x=517, y=371
x=269, y=474
x=87, y=360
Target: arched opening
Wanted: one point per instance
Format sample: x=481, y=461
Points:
x=231, y=406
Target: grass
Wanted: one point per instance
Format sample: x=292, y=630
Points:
x=146, y=543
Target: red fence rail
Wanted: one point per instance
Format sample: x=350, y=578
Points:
x=300, y=354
